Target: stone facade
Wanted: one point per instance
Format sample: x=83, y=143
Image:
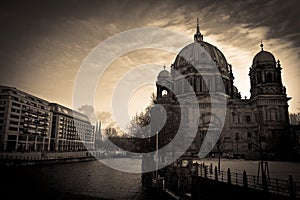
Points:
x=259, y=124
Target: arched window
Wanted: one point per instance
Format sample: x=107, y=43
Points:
x=249, y=135
x=198, y=84
x=164, y=93
x=191, y=82
x=235, y=118
x=204, y=85
x=258, y=77
x=269, y=77
x=272, y=114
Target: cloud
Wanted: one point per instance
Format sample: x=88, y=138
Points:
x=104, y=117
x=88, y=110
x=44, y=43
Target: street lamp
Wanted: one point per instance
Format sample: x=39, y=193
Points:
x=261, y=138
x=219, y=156
x=237, y=138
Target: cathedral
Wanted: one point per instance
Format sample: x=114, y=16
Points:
x=253, y=126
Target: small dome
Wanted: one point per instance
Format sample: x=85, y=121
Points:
x=235, y=90
x=264, y=57
x=163, y=75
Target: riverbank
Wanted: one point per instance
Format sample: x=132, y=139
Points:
x=277, y=169
x=42, y=158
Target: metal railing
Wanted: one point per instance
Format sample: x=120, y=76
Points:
x=287, y=187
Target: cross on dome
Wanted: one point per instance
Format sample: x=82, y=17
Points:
x=261, y=45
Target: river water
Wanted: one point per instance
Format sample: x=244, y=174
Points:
x=94, y=180
x=80, y=180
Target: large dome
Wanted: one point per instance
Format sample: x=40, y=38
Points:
x=194, y=52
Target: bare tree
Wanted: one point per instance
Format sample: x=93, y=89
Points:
x=138, y=126
x=295, y=118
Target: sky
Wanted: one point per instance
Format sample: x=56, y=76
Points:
x=44, y=43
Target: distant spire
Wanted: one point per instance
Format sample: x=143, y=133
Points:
x=198, y=36
x=261, y=45
x=165, y=67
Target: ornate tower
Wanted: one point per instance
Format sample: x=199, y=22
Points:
x=269, y=100
x=164, y=86
x=265, y=75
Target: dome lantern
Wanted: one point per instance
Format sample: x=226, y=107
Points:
x=198, y=37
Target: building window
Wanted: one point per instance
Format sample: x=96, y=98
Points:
x=248, y=118
x=250, y=146
x=180, y=87
x=11, y=137
x=249, y=135
x=13, y=129
x=273, y=115
x=2, y=108
x=16, y=104
x=22, y=137
x=237, y=136
x=14, y=122
x=14, y=116
x=269, y=77
x=198, y=84
x=15, y=110
x=164, y=93
x=235, y=118
x=204, y=86
x=258, y=77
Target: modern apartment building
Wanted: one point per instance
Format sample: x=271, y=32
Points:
x=71, y=130
x=25, y=121
x=29, y=123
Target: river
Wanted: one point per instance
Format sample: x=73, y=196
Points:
x=79, y=180
x=94, y=180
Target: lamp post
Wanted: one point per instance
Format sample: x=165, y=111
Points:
x=219, y=156
x=261, y=138
x=156, y=124
x=237, y=138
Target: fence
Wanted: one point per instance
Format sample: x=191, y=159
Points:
x=287, y=187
